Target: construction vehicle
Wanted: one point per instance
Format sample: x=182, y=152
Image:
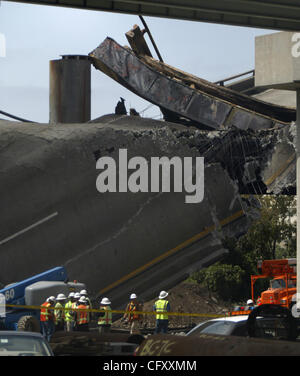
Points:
x=32, y=292
x=282, y=290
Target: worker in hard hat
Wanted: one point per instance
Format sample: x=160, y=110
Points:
x=59, y=313
x=88, y=302
x=250, y=304
x=69, y=313
x=82, y=318
x=162, y=307
x=75, y=305
x=105, y=317
x=77, y=296
x=47, y=318
x=133, y=318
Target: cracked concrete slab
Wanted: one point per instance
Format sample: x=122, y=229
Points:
x=52, y=213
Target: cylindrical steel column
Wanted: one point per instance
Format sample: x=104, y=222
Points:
x=70, y=89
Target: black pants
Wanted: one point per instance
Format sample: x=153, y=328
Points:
x=161, y=326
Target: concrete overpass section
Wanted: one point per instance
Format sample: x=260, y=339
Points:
x=267, y=14
x=52, y=213
x=191, y=100
x=181, y=95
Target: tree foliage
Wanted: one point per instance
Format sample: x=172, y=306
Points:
x=272, y=236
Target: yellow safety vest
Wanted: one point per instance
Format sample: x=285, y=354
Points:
x=161, y=309
x=107, y=319
x=58, y=313
x=68, y=313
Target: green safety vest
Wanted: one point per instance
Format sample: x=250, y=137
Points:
x=161, y=309
x=107, y=319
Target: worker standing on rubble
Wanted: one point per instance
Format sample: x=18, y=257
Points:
x=105, y=317
x=132, y=318
x=47, y=318
x=69, y=314
x=59, y=313
x=162, y=307
x=82, y=315
x=120, y=108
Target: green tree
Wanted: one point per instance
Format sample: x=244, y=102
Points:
x=272, y=236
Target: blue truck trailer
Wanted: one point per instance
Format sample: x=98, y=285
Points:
x=32, y=292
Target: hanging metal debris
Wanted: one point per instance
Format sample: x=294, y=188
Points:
x=181, y=95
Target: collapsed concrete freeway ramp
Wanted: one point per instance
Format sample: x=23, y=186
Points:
x=179, y=94
x=52, y=214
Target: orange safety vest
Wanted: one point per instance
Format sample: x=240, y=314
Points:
x=46, y=314
x=133, y=307
x=82, y=316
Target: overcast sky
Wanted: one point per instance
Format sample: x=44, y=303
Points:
x=34, y=35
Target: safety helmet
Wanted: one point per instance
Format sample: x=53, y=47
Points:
x=71, y=295
x=77, y=295
x=51, y=299
x=105, y=301
x=83, y=292
x=82, y=299
x=163, y=294
x=61, y=297
x=249, y=301
x=133, y=296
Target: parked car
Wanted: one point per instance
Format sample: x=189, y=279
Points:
x=17, y=343
x=265, y=327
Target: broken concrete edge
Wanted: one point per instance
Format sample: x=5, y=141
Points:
x=261, y=162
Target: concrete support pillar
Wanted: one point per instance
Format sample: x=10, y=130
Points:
x=70, y=89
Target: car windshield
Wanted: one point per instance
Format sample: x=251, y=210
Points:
x=277, y=283
x=224, y=327
x=23, y=345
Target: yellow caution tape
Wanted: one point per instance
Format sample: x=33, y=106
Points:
x=115, y=311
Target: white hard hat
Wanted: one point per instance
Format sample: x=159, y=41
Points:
x=71, y=295
x=61, y=297
x=77, y=295
x=249, y=301
x=83, y=292
x=133, y=296
x=51, y=299
x=163, y=294
x=82, y=300
x=105, y=301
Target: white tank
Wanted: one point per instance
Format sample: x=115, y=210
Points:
x=37, y=293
